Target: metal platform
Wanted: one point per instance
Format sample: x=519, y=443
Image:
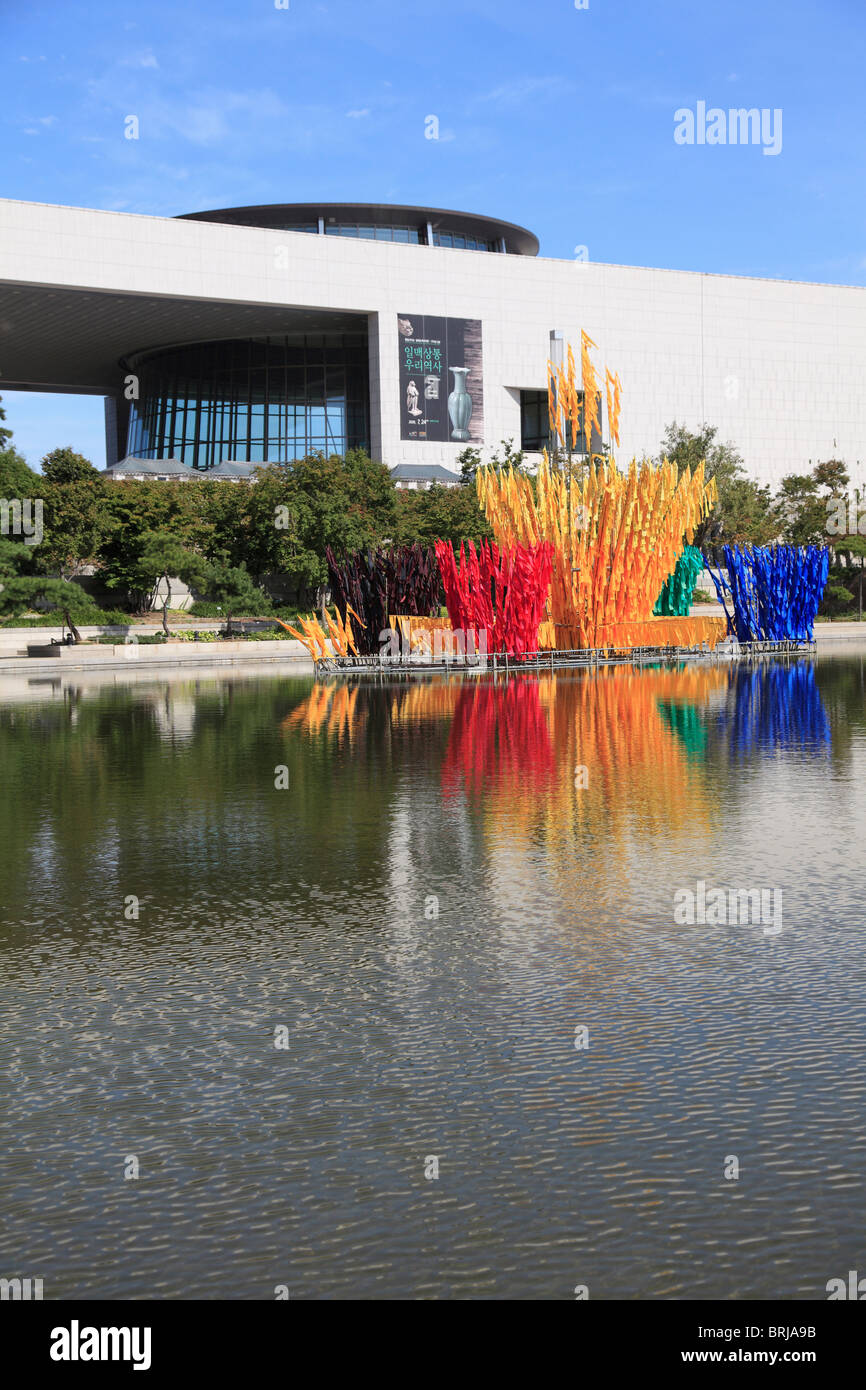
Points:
x=419, y=663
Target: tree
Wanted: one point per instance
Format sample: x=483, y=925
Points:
x=836, y=599
x=832, y=475
x=350, y=502
x=802, y=512
x=805, y=509
x=16, y=479
x=15, y=558
x=470, y=460
x=73, y=526
x=25, y=592
x=272, y=531
x=135, y=509
x=295, y=510
x=686, y=448
x=744, y=512
x=65, y=466
x=747, y=516
x=232, y=587
x=852, y=548
x=5, y=434
x=441, y=513
x=164, y=557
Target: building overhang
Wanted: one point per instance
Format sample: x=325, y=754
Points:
x=55, y=338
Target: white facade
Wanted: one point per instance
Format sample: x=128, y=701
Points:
x=777, y=366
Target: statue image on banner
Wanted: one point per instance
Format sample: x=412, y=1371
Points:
x=412, y=399
x=444, y=354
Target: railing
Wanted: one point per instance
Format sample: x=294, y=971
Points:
x=549, y=660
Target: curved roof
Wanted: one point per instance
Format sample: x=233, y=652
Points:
x=228, y=468
x=130, y=464
x=280, y=216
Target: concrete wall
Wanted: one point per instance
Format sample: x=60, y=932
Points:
x=172, y=654
x=778, y=366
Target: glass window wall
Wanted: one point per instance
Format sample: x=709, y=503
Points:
x=252, y=400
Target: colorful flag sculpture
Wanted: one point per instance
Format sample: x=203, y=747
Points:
x=614, y=395
x=315, y=638
x=500, y=593
x=378, y=583
x=590, y=390
x=615, y=538
x=774, y=591
x=675, y=599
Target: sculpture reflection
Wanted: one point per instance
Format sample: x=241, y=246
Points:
x=568, y=753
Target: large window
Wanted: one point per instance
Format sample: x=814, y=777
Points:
x=251, y=400
x=459, y=242
x=535, y=423
x=417, y=235
x=374, y=233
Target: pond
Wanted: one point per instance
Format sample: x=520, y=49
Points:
x=444, y=988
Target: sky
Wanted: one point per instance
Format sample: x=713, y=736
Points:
x=560, y=115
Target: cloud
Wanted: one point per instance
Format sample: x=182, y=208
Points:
x=523, y=88
x=141, y=60
x=644, y=92
x=210, y=117
x=356, y=115
x=203, y=125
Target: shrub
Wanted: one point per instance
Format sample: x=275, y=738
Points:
x=95, y=617
x=201, y=609
x=836, y=601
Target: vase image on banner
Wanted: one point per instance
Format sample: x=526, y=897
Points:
x=460, y=404
x=436, y=355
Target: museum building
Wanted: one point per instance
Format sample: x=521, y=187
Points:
x=221, y=340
